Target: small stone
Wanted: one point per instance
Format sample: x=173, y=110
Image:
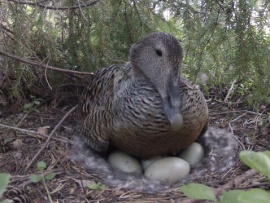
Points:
x=169, y=169
x=124, y=162
x=147, y=162
x=193, y=154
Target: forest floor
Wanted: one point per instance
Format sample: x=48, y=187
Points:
x=21, y=143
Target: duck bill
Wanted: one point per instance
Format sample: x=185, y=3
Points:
x=172, y=104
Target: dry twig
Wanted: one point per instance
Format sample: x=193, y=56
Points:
x=230, y=185
x=34, y=134
x=49, y=138
x=229, y=92
x=89, y=3
x=34, y=63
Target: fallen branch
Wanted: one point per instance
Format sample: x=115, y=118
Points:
x=24, y=179
x=228, y=186
x=18, y=129
x=229, y=92
x=35, y=134
x=81, y=5
x=240, y=111
x=235, y=182
x=49, y=138
x=34, y=63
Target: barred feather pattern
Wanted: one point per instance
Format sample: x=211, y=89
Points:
x=116, y=108
x=134, y=107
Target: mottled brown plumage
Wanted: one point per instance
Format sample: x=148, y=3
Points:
x=144, y=107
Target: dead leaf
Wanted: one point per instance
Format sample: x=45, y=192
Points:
x=84, y=183
x=17, y=144
x=72, y=190
x=43, y=130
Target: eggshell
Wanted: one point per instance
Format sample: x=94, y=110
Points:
x=193, y=154
x=147, y=162
x=169, y=169
x=124, y=162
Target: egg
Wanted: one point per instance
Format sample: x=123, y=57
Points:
x=124, y=162
x=169, y=169
x=147, y=162
x=193, y=154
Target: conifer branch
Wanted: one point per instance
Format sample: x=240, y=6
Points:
x=34, y=63
x=81, y=5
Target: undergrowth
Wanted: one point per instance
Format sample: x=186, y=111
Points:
x=259, y=161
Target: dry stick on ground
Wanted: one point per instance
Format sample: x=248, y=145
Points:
x=228, y=186
x=23, y=180
x=33, y=133
x=18, y=129
x=34, y=63
x=229, y=92
x=49, y=138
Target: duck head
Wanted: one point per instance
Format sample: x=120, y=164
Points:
x=158, y=57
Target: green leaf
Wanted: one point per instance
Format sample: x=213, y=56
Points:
x=27, y=106
x=4, y=177
x=255, y=196
x=35, y=178
x=41, y=165
x=96, y=186
x=36, y=110
x=102, y=187
x=7, y=201
x=50, y=176
x=37, y=102
x=92, y=186
x=198, y=191
x=259, y=161
x=9, y=139
x=231, y=196
x=267, y=153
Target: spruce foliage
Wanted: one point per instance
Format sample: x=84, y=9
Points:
x=227, y=40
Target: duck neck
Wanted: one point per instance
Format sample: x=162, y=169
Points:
x=138, y=75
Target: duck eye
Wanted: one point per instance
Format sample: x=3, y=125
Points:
x=158, y=52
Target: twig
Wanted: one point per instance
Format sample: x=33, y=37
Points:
x=229, y=92
x=237, y=118
x=225, y=112
x=5, y=28
x=28, y=182
x=235, y=182
x=49, y=138
x=46, y=78
x=18, y=129
x=239, y=111
x=253, y=185
x=89, y=3
x=34, y=134
x=42, y=64
x=230, y=185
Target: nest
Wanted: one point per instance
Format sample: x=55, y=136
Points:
x=25, y=147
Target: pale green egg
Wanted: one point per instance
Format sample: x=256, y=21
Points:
x=193, y=154
x=169, y=169
x=124, y=162
x=147, y=162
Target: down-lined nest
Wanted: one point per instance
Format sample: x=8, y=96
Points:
x=20, y=145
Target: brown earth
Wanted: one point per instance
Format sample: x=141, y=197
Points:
x=20, y=142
